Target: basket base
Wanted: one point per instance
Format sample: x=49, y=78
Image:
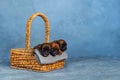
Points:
x=20, y=68
x=19, y=59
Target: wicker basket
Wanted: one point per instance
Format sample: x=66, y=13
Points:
x=23, y=58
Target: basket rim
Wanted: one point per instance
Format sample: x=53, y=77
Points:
x=22, y=50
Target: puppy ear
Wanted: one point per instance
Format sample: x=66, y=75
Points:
x=34, y=47
x=62, y=41
x=42, y=46
x=57, y=41
x=37, y=47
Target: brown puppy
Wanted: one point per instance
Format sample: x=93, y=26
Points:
x=55, y=49
x=62, y=44
x=44, y=49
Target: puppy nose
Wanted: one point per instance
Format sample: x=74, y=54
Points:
x=54, y=52
x=45, y=54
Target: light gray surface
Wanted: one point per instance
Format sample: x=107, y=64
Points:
x=49, y=58
x=75, y=69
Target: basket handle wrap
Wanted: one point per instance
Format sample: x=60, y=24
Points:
x=28, y=28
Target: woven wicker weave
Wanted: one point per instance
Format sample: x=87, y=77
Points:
x=23, y=58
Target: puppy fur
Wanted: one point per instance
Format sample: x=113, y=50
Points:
x=38, y=47
x=44, y=49
x=62, y=44
x=55, y=49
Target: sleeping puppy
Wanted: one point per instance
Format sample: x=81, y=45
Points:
x=55, y=49
x=62, y=44
x=44, y=49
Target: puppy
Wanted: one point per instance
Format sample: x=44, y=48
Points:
x=44, y=49
x=55, y=49
x=62, y=44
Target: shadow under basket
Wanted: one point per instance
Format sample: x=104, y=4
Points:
x=23, y=58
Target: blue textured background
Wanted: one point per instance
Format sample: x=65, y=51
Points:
x=91, y=27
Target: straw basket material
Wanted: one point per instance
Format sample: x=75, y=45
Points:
x=23, y=58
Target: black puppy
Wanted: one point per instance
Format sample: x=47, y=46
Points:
x=44, y=49
x=62, y=44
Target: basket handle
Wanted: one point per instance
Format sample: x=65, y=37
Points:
x=28, y=28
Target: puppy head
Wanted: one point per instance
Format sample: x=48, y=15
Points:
x=55, y=50
x=62, y=44
x=45, y=49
